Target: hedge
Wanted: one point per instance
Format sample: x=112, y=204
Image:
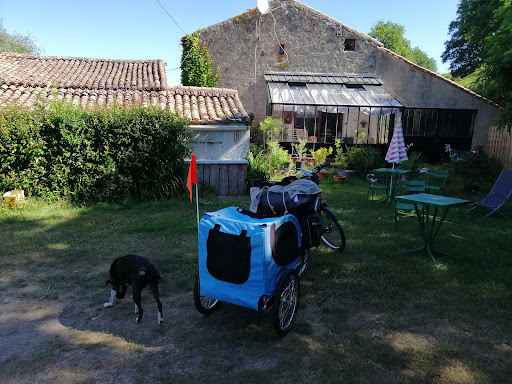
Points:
x=66, y=151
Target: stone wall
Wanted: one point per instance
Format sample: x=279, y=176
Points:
x=246, y=46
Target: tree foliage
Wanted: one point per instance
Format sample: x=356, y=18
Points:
x=392, y=36
x=481, y=44
x=196, y=64
x=18, y=43
x=466, y=48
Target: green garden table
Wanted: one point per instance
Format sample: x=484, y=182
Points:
x=430, y=224
x=392, y=172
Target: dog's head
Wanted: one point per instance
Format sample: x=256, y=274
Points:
x=119, y=288
x=116, y=284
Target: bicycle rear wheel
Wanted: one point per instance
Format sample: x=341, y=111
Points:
x=333, y=235
x=286, y=302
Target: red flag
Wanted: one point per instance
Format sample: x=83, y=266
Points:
x=192, y=175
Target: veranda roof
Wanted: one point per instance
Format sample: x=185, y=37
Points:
x=366, y=93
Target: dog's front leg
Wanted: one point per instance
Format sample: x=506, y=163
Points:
x=137, y=298
x=110, y=303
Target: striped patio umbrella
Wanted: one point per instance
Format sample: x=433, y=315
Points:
x=396, y=151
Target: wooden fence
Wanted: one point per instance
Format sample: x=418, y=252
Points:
x=500, y=146
x=224, y=178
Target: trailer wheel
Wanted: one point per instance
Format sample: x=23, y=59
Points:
x=204, y=305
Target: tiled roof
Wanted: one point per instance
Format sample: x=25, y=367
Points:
x=25, y=79
x=77, y=72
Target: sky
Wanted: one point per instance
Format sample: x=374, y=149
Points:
x=152, y=29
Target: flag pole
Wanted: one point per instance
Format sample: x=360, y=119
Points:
x=197, y=205
x=191, y=180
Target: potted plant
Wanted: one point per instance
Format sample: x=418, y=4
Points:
x=300, y=148
x=319, y=156
x=340, y=159
x=339, y=178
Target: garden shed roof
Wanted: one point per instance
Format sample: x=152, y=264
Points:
x=27, y=79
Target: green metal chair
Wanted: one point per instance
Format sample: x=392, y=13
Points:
x=406, y=187
x=377, y=182
x=436, y=180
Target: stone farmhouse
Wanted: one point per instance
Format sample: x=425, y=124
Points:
x=217, y=118
x=327, y=81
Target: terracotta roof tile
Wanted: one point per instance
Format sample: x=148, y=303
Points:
x=72, y=72
x=25, y=79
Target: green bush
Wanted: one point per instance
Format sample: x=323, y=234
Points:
x=273, y=129
x=476, y=169
x=320, y=155
x=257, y=169
x=340, y=159
x=277, y=155
x=414, y=162
x=65, y=151
x=363, y=159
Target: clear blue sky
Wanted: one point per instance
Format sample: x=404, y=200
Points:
x=140, y=29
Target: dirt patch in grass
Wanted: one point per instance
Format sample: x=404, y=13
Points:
x=76, y=340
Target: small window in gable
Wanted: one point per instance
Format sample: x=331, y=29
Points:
x=350, y=44
x=281, y=49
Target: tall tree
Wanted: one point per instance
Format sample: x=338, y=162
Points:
x=421, y=58
x=16, y=42
x=466, y=48
x=481, y=44
x=392, y=36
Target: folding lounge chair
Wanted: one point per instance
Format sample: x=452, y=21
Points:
x=500, y=193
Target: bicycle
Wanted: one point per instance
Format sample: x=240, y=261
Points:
x=330, y=232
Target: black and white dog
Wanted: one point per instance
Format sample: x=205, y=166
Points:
x=138, y=272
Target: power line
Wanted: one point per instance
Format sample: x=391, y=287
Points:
x=168, y=14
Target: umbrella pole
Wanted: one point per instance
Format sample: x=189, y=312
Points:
x=391, y=185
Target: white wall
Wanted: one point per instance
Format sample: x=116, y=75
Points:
x=220, y=142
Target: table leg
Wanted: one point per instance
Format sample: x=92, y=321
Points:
x=420, y=215
x=429, y=232
x=429, y=228
x=435, y=231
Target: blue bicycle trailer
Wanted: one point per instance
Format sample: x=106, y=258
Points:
x=250, y=262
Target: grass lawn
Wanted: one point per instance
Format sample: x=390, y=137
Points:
x=369, y=315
